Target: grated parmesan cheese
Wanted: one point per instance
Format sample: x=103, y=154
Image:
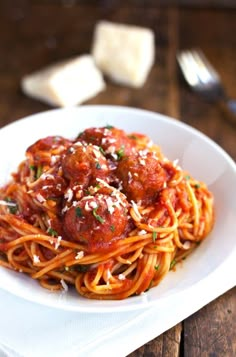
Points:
x=142, y=162
x=110, y=205
x=79, y=255
x=58, y=242
x=64, y=285
x=135, y=208
x=187, y=245
x=54, y=159
x=142, y=232
x=40, y=198
x=102, y=182
x=121, y=277
x=129, y=177
x=109, y=274
x=64, y=209
x=175, y=162
x=36, y=259
x=68, y=195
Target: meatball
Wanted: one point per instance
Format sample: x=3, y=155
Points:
x=84, y=163
x=114, y=142
x=98, y=221
x=46, y=151
x=142, y=176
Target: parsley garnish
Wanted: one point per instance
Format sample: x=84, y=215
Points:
x=39, y=171
x=98, y=218
x=109, y=126
x=102, y=151
x=172, y=264
x=156, y=267
x=121, y=152
x=197, y=185
x=154, y=236
x=78, y=212
x=52, y=232
x=98, y=166
x=187, y=177
x=112, y=228
x=13, y=208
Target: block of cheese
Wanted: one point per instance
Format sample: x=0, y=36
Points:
x=124, y=53
x=66, y=83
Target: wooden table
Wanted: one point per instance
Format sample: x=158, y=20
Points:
x=36, y=33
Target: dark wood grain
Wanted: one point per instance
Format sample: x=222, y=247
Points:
x=219, y=45
x=212, y=331
x=34, y=34
x=141, y=3
x=167, y=344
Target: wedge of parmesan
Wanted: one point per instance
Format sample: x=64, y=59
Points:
x=66, y=83
x=124, y=53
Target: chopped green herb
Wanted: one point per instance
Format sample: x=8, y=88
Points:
x=13, y=208
x=109, y=126
x=102, y=151
x=78, y=212
x=32, y=167
x=52, y=232
x=172, y=264
x=98, y=166
x=112, y=228
x=197, y=185
x=156, y=267
x=98, y=218
x=121, y=152
x=154, y=236
x=187, y=177
x=39, y=171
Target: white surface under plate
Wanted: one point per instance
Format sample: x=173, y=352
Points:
x=196, y=153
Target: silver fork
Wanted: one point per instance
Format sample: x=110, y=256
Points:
x=204, y=79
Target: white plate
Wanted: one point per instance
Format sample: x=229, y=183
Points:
x=204, y=159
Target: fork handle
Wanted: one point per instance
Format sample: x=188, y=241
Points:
x=228, y=107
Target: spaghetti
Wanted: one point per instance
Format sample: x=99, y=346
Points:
x=106, y=212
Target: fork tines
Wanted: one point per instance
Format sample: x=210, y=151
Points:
x=196, y=68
